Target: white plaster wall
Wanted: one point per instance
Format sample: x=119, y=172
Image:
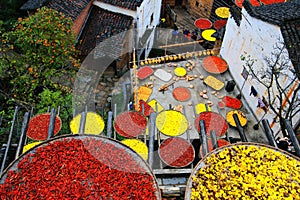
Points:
x=148, y=16
x=256, y=38
x=150, y=42
x=147, y=9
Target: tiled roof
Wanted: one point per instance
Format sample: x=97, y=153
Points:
x=101, y=25
x=71, y=8
x=287, y=17
x=128, y=4
x=236, y=14
x=277, y=13
x=33, y=4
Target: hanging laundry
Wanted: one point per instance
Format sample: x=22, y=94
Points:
x=262, y=105
x=253, y=91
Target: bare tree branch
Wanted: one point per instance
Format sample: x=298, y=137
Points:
x=295, y=113
x=293, y=101
x=249, y=63
x=278, y=67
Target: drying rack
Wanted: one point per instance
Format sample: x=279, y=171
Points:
x=172, y=181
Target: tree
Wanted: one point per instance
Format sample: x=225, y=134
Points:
x=10, y=12
x=37, y=65
x=37, y=53
x=283, y=96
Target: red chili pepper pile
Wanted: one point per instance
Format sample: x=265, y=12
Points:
x=147, y=108
x=38, y=126
x=176, y=152
x=86, y=168
x=239, y=3
x=221, y=104
x=271, y=1
x=232, y=102
x=213, y=121
x=144, y=72
x=214, y=64
x=203, y=23
x=221, y=142
x=220, y=23
x=130, y=124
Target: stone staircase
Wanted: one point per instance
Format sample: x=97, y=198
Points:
x=184, y=19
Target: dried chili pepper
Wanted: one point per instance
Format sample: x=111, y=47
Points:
x=231, y=102
x=214, y=64
x=38, y=126
x=239, y=3
x=181, y=94
x=220, y=23
x=221, y=142
x=147, y=108
x=203, y=23
x=213, y=121
x=144, y=72
x=130, y=124
x=79, y=168
x=267, y=2
x=176, y=152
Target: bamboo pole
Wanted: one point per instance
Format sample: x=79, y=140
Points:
x=180, y=44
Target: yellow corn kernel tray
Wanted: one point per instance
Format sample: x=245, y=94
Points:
x=171, y=123
x=153, y=103
x=138, y=146
x=30, y=145
x=94, y=124
x=214, y=83
x=201, y=107
x=241, y=116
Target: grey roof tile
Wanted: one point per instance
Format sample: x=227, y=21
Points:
x=127, y=4
x=101, y=25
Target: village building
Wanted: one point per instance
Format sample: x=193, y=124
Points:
x=184, y=94
x=96, y=21
x=255, y=31
x=251, y=29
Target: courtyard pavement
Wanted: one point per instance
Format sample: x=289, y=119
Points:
x=196, y=86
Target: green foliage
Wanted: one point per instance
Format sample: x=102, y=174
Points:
x=56, y=99
x=247, y=59
x=38, y=65
x=10, y=12
x=38, y=49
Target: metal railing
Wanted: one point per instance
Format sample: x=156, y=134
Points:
x=170, y=177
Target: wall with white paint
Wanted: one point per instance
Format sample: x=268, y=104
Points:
x=148, y=15
x=256, y=38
